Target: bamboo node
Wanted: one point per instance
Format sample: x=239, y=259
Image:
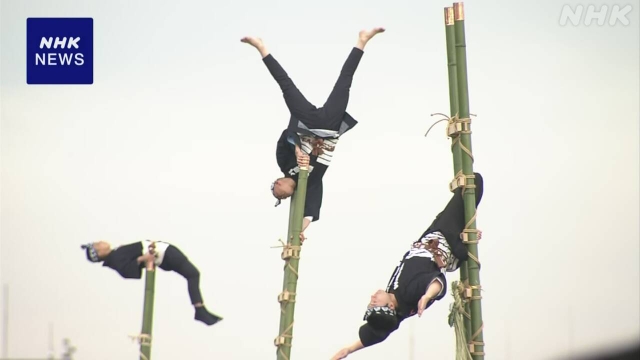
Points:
x=472, y=348
x=464, y=236
x=458, y=126
x=282, y=338
x=455, y=124
x=288, y=251
x=460, y=180
x=286, y=296
x=474, y=343
x=468, y=293
x=143, y=339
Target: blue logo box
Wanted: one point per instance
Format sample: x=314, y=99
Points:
x=60, y=51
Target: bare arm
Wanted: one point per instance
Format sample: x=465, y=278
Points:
x=432, y=291
x=343, y=353
x=355, y=346
x=305, y=223
x=302, y=158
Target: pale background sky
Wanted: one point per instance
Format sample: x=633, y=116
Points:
x=176, y=138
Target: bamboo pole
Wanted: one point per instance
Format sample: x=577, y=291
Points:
x=455, y=138
x=286, y=273
x=291, y=256
x=147, y=317
x=476, y=340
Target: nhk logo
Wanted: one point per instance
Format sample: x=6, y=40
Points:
x=53, y=58
x=59, y=51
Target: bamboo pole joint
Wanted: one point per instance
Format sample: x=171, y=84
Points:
x=464, y=236
x=460, y=181
x=144, y=340
x=288, y=251
x=458, y=126
x=286, y=297
x=455, y=125
x=281, y=340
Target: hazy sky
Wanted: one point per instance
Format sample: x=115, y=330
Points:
x=176, y=139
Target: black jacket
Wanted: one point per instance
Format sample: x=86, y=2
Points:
x=124, y=260
x=316, y=120
x=286, y=157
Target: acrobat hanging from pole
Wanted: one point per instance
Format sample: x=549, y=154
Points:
x=313, y=133
x=418, y=281
x=129, y=260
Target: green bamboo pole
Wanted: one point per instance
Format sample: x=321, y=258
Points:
x=286, y=273
x=476, y=341
x=455, y=139
x=147, y=319
x=292, y=258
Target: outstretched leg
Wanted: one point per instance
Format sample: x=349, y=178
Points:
x=337, y=101
x=179, y=263
x=296, y=102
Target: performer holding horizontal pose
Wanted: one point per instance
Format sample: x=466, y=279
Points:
x=418, y=281
x=313, y=133
x=129, y=260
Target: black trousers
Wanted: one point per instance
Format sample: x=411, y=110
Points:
x=451, y=221
x=330, y=115
x=175, y=260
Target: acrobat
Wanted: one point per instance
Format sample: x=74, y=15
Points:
x=418, y=281
x=129, y=260
x=313, y=133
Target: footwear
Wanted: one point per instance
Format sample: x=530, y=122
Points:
x=205, y=316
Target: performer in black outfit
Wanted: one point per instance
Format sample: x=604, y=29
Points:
x=312, y=133
x=129, y=260
x=418, y=281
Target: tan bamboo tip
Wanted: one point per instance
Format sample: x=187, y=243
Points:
x=448, y=16
x=458, y=9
